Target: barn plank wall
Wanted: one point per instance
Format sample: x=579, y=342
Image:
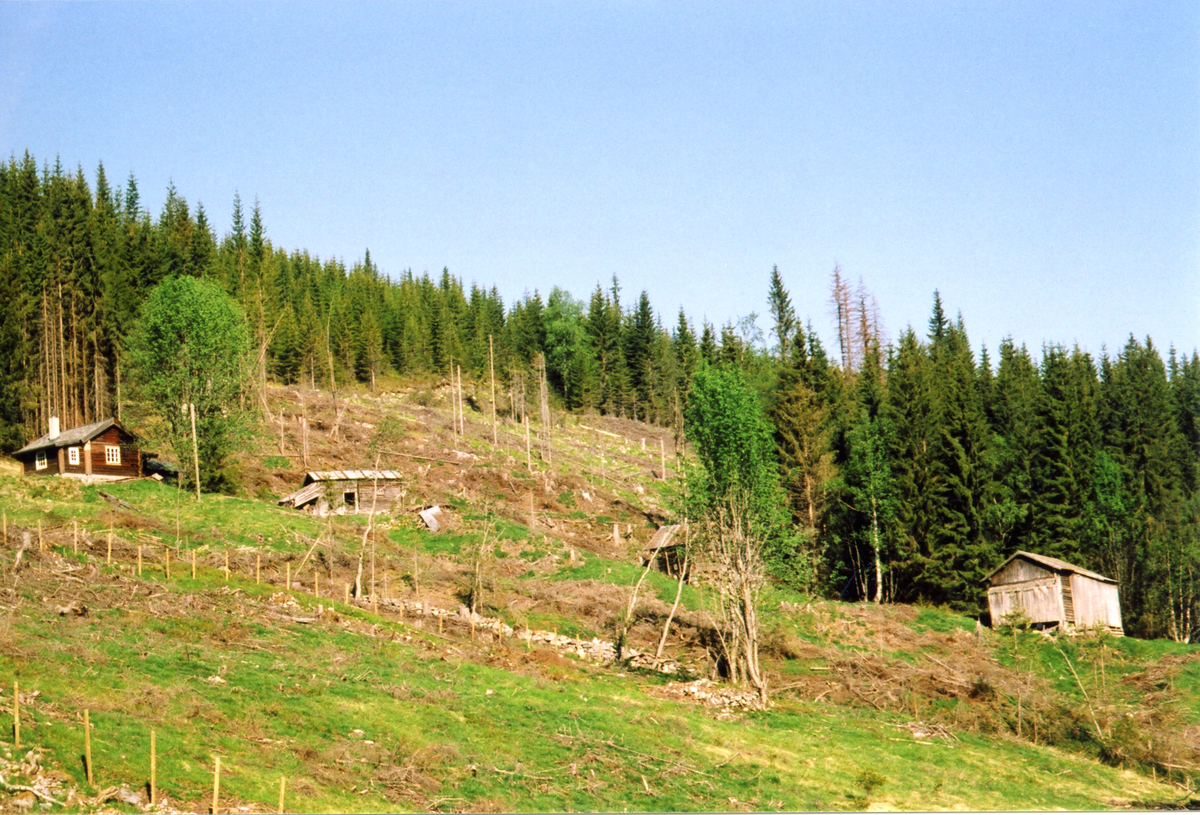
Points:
x=1039, y=598
x=1096, y=603
x=1019, y=571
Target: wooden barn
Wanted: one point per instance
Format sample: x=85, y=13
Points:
x=347, y=491
x=1051, y=592
x=102, y=451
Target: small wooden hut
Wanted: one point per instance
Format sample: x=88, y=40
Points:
x=347, y=491
x=101, y=451
x=1051, y=592
x=664, y=553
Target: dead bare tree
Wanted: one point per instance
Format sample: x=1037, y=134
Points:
x=843, y=306
x=481, y=559
x=729, y=551
x=683, y=570
x=544, y=407
x=367, y=532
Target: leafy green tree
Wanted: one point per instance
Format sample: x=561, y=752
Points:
x=567, y=350
x=190, y=347
x=734, y=496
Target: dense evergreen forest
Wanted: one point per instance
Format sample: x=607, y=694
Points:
x=911, y=468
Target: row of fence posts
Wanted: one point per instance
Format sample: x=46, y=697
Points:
x=108, y=559
x=89, y=766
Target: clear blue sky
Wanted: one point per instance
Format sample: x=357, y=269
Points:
x=1038, y=162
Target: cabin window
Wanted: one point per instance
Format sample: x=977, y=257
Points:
x=39, y=461
x=73, y=455
x=112, y=454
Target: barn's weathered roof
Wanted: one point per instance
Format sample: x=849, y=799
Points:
x=1052, y=563
x=352, y=475
x=76, y=435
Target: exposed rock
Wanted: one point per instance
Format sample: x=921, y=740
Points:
x=23, y=801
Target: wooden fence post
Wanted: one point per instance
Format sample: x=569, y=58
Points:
x=153, y=771
x=257, y=566
x=193, y=564
x=108, y=557
x=492, y=368
x=282, y=786
x=216, y=784
x=16, y=714
x=139, y=560
x=87, y=748
x=195, y=450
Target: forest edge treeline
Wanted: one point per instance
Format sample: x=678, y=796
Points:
x=910, y=467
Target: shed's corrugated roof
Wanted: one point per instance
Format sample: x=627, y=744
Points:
x=76, y=435
x=352, y=475
x=1052, y=563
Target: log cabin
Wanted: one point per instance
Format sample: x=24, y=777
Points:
x=101, y=451
x=1053, y=593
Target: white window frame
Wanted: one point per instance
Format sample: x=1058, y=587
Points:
x=112, y=454
x=73, y=456
x=39, y=460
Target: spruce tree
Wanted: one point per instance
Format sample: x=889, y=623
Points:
x=1012, y=412
x=782, y=314
x=913, y=414
x=960, y=553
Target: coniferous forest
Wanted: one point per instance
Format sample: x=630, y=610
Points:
x=912, y=467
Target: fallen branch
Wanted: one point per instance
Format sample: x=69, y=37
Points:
x=726, y=761
x=1086, y=698
x=686, y=768
x=429, y=458
x=114, y=500
x=39, y=793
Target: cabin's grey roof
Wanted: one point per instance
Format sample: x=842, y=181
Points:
x=1052, y=563
x=352, y=475
x=67, y=438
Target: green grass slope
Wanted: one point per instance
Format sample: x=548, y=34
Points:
x=364, y=711
x=400, y=700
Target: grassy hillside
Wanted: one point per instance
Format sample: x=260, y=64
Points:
x=401, y=700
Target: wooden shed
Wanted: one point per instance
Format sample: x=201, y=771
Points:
x=101, y=451
x=1051, y=592
x=347, y=491
x=665, y=551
